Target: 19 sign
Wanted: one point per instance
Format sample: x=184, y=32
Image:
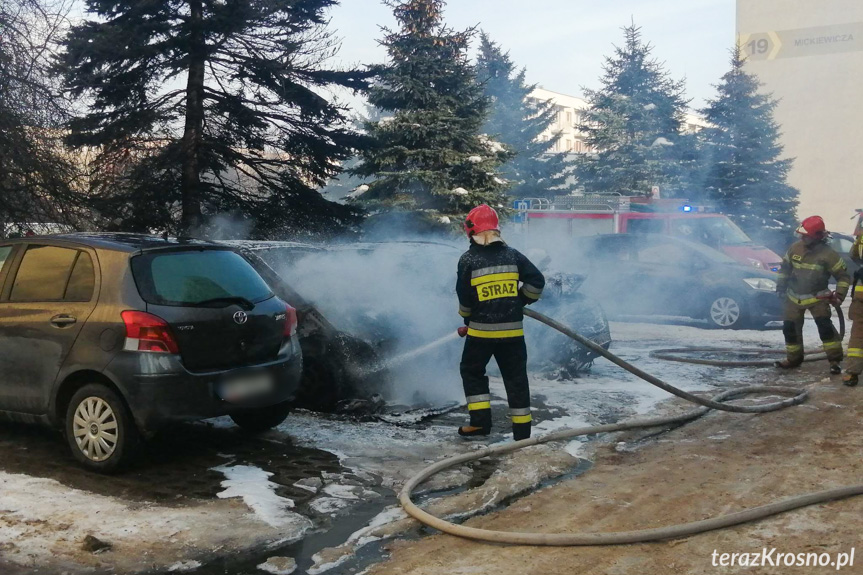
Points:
x=759, y=47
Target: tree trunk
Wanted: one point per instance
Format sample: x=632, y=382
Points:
x=193, y=134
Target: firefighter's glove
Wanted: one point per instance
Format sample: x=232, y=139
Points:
x=462, y=331
x=836, y=298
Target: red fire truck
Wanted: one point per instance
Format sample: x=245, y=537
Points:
x=568, y=216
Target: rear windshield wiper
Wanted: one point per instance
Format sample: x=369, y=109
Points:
x=227, y=300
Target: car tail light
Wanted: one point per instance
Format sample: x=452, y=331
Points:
x=147, y=332
x=290, y=321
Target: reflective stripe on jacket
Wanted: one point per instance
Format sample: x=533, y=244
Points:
x=494, y=283
x=806, y=271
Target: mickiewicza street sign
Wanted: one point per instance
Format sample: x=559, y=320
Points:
x=816, y=41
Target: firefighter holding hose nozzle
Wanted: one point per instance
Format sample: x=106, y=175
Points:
x=802, y=283
x=491, y=301
x=855, y=344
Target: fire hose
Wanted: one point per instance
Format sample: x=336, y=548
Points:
x=794, y=396
x=678, y=354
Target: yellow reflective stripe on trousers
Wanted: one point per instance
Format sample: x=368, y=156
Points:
x=495, y=334
x=855, y=352
x=858, y=289
x=493, y=278
x=521, y=418
x=798, y=301
x=832, y=344
x=479, y=405
x=793, y=348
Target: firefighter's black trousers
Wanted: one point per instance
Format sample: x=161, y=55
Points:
x=511, y=356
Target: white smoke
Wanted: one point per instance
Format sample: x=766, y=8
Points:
x=399, y=295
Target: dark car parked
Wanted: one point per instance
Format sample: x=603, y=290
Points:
x=842, y=244
x=650, y=274
x=112, y=336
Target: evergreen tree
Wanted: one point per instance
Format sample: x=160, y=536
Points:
x=745, y=176
x=39, y=179
x=633, y=123
x=429, y=155
x=246, y=133
x=517, y=121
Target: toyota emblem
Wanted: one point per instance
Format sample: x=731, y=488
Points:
x=240, y=317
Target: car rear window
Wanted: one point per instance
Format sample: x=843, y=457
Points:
x=82, y=280
x=192, y=277
x=4, y=255
x=49, y=273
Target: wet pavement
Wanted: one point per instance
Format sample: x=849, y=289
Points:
x=174, y=467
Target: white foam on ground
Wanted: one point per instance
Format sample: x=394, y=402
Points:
x=253, y=485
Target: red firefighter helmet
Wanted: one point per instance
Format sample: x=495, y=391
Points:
x=814, y=227
x=481, y=219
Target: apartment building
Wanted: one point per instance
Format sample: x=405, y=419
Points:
x=809, y=55
x=569, y=116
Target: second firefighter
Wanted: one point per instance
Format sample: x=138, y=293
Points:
x=802, y=283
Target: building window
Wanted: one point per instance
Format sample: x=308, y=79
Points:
x=569, y=118
x=568, y=146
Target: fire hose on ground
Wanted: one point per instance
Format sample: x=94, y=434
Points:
x=678, y=354
x=794, y=396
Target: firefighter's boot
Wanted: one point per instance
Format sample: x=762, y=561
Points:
x=835, y=368
x=521, y=431
x=788, y=364
x=480, y=424
x=850, y=379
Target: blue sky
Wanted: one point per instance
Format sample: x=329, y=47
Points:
x=562, y=42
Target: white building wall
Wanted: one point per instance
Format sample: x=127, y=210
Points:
x=809, y=54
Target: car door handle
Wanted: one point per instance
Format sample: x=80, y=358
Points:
x=63, y=320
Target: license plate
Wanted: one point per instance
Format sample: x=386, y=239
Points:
x=245, y=386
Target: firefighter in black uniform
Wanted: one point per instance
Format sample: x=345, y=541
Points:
x=494, y=283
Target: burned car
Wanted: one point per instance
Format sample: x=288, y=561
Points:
x=364, y=306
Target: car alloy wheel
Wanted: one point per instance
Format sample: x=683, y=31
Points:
x=95, y=429
x=725, y=312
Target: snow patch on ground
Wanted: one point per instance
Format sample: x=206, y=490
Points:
x=329, y=505
x=43, y=523
x=388, y=515
x=253, y=486
x=279, y=565
x=182, y=566
x=320, y=567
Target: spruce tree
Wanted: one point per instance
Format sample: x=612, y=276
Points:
x=633, y=123
x=428, y=156
x=745, y=176
x=206, y=107
x=517, y=121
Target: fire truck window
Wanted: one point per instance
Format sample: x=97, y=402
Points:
x=646, y=226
